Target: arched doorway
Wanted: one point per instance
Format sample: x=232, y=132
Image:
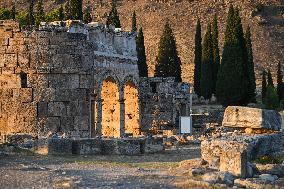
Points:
x=132, y=114
x=110, y=108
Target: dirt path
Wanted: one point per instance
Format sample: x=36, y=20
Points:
x=146, y=171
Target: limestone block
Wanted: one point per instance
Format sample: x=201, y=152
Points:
x=234, y=162
x=58, y=146
x=85, y=81
x=91, y=146
x=51, y=124
x=10, y=60
x=121, y=146
x=8, y=70
x=63, y=81
x=23, y=94
x=17, y=40
x=4, y=41
x=6, y=94
x=56, y=109
x=42, y=109
x=245, y=117
x=10, y=81
x=83, y=107
x=23, y=60
x=81, y=122
x=67, y=124
x=152, y=145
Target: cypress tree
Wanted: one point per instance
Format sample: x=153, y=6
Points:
x=61, y=13
x=197, y=59
x=113, y=17
x=206, y=80
x=31, y=19
x=134, y=24
x=141, y=54
x=280, y=84
x=271, y=98
x=231, y=88
x=67, y=9
x=40, y=17
x=269, y=79
x=263, y=86
x=87, y=16
x=13, y=12
x=76, y=9
x=216, y=55
x=242, y=43
x=168, y=61
x=251, y=74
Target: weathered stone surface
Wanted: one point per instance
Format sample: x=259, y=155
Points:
x=273, y=169
x=245, y=117
x=121, y=146
x=91, y=146
x=234, y=161
x=153, y=145
x=219, y=177
x=232, y=152
x=59, y=146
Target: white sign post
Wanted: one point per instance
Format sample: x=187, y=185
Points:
x=185, y=125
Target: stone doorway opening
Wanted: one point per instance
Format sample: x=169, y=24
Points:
x=132, y=114
x=110, y=108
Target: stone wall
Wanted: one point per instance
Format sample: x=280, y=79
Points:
x=52, y=79
x=162, y=102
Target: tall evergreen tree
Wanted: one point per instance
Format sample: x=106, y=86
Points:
x=40, y=16
x=280, y=84
x=197, y=59
x=206, y=80
x=269, y=79
x=216, y=55
x=76, y=8
x=263, y=86
x=67, y=9
x=113, y=17
x=87, y=16
x=242, y=43
x=251, y=73
x=13, y=12
x=231, y=88
x=168, y=61
x=31, y=19
x=271, y=98
x=141, y=54
x=61, y=13
x=134, y=24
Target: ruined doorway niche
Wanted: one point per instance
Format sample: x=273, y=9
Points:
x=132, y=114
x=110, y=108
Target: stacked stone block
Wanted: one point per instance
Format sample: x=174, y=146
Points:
x=49, y=77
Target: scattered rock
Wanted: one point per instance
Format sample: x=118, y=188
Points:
x=274, y=169
x=268, y=178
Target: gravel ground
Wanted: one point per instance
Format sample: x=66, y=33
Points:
x=145, y=171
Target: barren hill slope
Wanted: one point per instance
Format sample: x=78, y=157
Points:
x=266, y=18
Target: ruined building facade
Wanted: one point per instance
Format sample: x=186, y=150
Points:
x=73, y=78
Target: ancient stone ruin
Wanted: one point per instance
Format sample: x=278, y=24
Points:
x=81, y=80
x=248, y=134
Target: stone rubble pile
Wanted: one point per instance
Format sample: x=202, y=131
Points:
x=256, y=135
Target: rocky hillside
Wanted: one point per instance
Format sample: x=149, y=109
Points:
x=266, y=18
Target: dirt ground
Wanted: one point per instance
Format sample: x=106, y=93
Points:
x=144, y=171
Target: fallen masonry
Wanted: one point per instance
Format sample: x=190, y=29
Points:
x=256, y=134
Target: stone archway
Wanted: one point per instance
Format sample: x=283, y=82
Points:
x=110, y=123
x=132, y=113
